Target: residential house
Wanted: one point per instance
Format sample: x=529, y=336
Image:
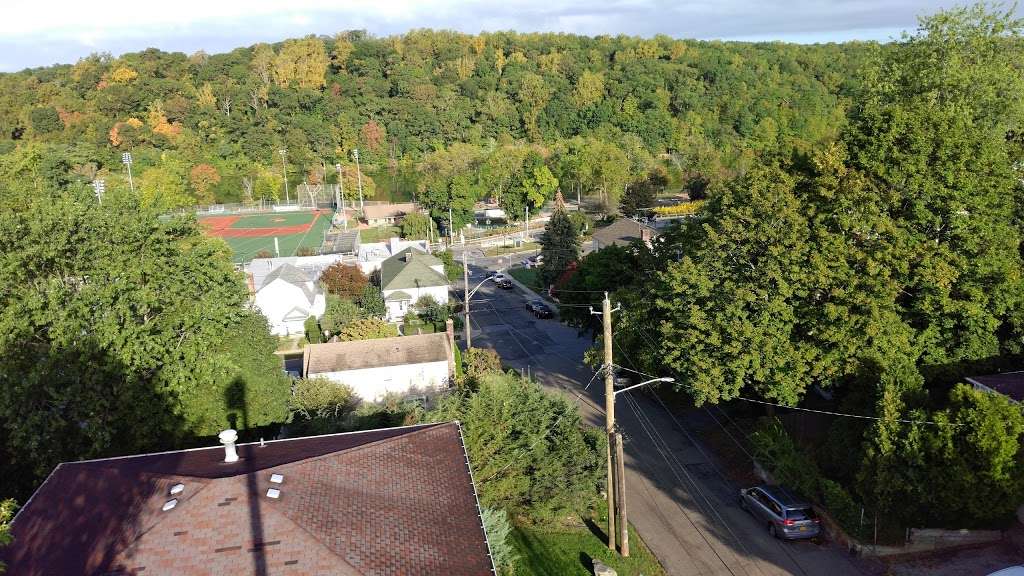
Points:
x=287, y=297
x=313, y=266
x=397, y=501
x=623, y=232
x=387, y=214
x=1009, y=384
x=371, y=255
x=419, y=365
x=408, y=276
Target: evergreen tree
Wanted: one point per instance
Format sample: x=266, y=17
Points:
x=560, y=243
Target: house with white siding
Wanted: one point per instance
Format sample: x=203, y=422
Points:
x=407, y=366
x=408, y=276
x=287, y=297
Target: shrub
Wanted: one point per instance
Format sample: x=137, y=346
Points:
x=478, y=363
x=264, y=254
x=530, y=451
x=321, y=398
x=430, y=310
x=305, y=251
x=499, y=536
x=313, y=333
x=372, y=302
x=367, y=329
x=687, y=209
x=338, y=314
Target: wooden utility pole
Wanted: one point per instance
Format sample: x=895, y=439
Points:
x=465, y=294
x=620, y=492
x=609, y=411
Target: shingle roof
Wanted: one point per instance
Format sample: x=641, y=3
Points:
x=1010, y=384
x=375, y=211
x=375, y=353
x=622, y=232
x=398, y=296
x=392, y=501
x=294, y=276
x=410, y=268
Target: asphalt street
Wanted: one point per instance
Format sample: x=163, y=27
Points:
x=683, y=507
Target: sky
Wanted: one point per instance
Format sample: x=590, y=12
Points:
x=45, y=32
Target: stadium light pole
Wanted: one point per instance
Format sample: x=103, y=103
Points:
x=126, y=159
x=340, y=191
x=284, y=170
x=359, y=177
x=99, y=186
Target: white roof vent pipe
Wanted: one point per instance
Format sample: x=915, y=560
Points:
x=228, y=438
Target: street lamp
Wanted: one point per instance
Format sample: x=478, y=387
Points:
x=469, y=294
x=100, y=187
x=359, y=177
x=665, y=379
x=126, y=159
x=284, y=170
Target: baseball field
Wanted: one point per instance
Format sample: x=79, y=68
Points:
x=250, y=234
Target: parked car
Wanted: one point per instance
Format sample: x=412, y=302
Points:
x=786, y=515
x=541, y=310
x=504, y=283
x=499, y=277
x=535, y=260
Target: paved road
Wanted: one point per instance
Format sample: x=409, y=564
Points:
x=683, y=508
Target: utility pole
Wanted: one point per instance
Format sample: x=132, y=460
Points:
x=126, y=159
x=284, y=170
x=359, y=177
x=465, y=280
x=526, y=238
x=451, y=226
x=609, y=411
x=620, y=492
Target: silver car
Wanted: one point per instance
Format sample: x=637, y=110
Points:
x=786, y=515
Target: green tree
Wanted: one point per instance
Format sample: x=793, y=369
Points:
x=339, y=312
x=499, y=537
x=416, y=226
x=163, y=188
x=45, y=120
x=452, y=267
x=372, y=302
x=430, y=310
x=7, y=508
x=560, y=244
x=125, y=334
x=367, y=329
x=321, y=398
x=530, y=451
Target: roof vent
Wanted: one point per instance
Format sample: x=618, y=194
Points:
x=273, y=493
x=177, y=489
x=276, y=478
x=170, y=504
x=228, y=438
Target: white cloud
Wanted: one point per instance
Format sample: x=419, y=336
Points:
x=35, y=33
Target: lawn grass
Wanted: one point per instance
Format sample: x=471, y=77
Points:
x=378, y=234
x=526, y=276
x=570, y=552
x=510, y=249
x=245, y=249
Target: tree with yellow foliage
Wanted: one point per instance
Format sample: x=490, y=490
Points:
x=302, y=63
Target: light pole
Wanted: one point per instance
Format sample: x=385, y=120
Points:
x=340, y=200
x=126, y=159
x=284, y=170
x=100, y=187
x=469, y=294
x=359, y=177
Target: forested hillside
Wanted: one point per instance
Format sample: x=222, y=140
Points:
x=445, y=116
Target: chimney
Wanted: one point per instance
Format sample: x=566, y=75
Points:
x=393, y=244
x=227, y=438
x=449, y=328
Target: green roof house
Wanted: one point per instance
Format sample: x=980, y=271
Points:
x=408, y=276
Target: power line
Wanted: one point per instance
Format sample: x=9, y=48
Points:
x=847, y=415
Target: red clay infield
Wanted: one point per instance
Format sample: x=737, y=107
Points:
x=220, y=226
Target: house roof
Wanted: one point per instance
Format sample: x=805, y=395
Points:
x=398, y=296
x=622, y=232
x=391, y=501
x=377, y=211
x=292, y=275
x=375, y=353
x=410, y=268
x=341, y=242
x=1009, y=384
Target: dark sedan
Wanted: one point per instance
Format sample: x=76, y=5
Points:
x=541, y=310
x=504, y=283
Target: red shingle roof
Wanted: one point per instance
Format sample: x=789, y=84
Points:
x=393, y=501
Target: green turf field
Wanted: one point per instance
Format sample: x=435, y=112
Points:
x=245, y=249
x=274, y=220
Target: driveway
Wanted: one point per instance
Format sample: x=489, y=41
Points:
x=683, y=507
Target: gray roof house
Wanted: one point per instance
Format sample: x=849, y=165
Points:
x=623, y=232
x=288, y=296
x=408, y=276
